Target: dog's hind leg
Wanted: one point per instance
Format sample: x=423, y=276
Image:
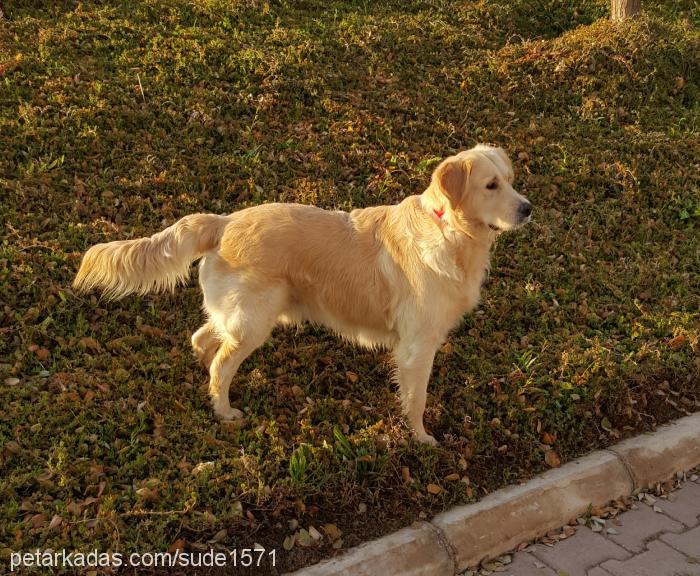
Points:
x=414, y=362
x=244, y=328
x=205, y=343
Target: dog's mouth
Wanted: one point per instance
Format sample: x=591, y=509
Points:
x=510, y=226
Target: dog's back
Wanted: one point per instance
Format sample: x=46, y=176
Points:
x=334, y=265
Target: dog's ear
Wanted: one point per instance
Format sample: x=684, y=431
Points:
x=451, y=178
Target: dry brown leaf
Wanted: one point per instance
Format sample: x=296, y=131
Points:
x=91, y=344
x=74, y=508
x=96, y=470
x=548, y=438
x=152, y=331
x=12, y=447
x=677, y=341
x=179, y=544
x=434, y=488
x=147, y=494
x=332, y=531
x=38, y=520
x=552, y=459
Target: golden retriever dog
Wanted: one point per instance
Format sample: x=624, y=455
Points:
x=398, y=277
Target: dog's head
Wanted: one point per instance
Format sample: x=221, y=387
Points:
x=475, y=186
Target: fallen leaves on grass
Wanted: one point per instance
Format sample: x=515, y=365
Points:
x=270, y=109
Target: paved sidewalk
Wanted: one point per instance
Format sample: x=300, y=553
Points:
x=661, y=538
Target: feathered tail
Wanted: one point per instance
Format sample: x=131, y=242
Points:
x=150, y=264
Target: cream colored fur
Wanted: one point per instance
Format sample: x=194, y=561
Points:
x=399, y=277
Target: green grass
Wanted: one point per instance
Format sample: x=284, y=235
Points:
x=118, y=118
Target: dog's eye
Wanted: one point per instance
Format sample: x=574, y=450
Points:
x=492, y=185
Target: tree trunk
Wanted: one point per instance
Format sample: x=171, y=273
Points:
x=620, y=9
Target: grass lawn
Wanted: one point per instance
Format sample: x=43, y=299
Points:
x=117, y=118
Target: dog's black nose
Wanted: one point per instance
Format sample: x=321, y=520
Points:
x=525, y=209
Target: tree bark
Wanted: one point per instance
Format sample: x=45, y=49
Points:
x=620, y=9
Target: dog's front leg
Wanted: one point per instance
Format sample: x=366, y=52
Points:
x=414, y=362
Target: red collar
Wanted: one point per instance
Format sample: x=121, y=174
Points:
x=439, y=213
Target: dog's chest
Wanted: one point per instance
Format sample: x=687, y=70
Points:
x=461, y=296
x=465, y=293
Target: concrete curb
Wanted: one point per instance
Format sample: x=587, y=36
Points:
x=417, y=550
x=506, y=518
x=466, y=535
x=652, y=458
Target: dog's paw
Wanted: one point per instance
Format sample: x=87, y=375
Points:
x=426, y=439
x=229, y=413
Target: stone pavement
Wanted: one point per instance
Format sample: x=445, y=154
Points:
x=661, y=539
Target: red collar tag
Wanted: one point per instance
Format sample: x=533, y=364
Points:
x=439, y=213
